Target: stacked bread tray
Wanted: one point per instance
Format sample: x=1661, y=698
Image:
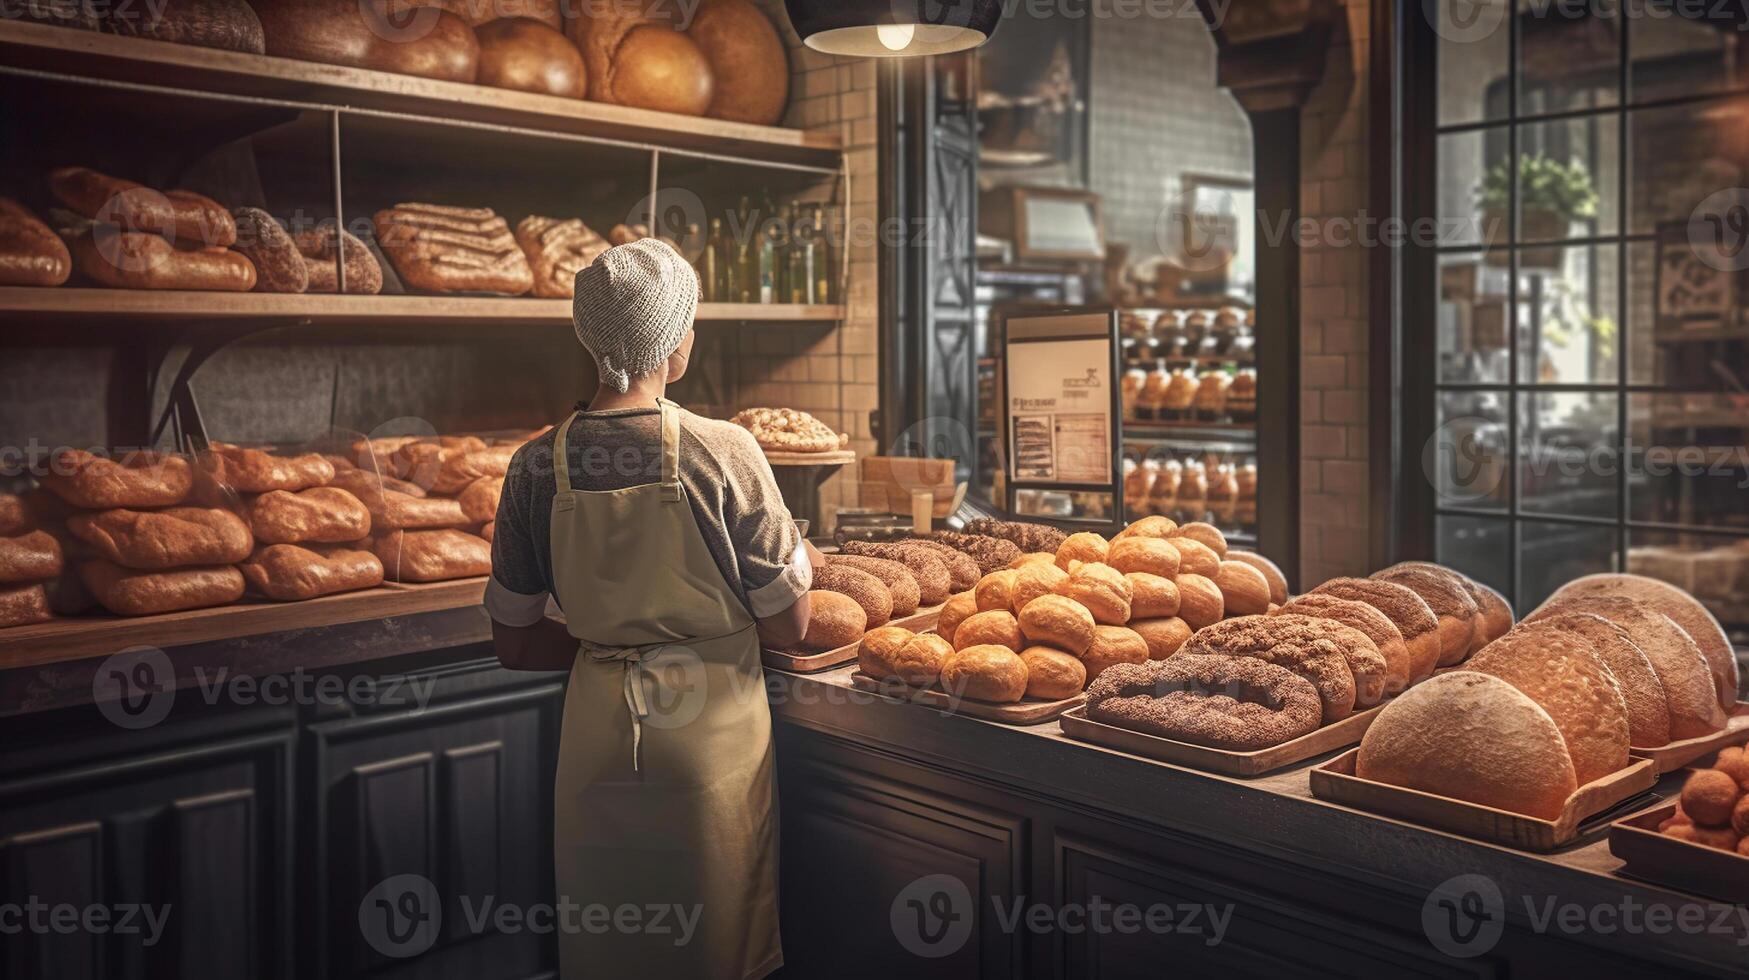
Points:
x=803, y=662
x=1256, y=762
x=1700, y=842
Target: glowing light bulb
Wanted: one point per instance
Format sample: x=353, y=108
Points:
x=896, y=37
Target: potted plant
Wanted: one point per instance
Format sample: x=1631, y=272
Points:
x=1551, y=195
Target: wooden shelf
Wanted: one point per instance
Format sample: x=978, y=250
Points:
x=85, y=54
x=83, y=638
x=836, y=457
x=145, y=304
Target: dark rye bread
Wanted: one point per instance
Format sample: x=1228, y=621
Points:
x=869, y=592
x=896, y=577
x=934, y=584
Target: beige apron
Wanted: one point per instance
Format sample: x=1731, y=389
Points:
x=665, y=802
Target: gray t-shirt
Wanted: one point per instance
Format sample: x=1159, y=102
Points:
x=728, y=483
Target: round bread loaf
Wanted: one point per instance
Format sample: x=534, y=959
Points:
x=1083, y=546
x=279, y=266
x=1710, y=797
x=875, y=654
x=1358, y=615
x=1196, y=558
x=995, y=627
x=633, y=60
x=1563, y=674
x=747, y=58
x=962, y=570
x=1320, y=650
x=1685, y=609
x=1448, y=595
x=1035, y=579
x=412, y=40
x=918, y=661
x=869, y=592
x=934, y=583
x=1139, y=554
x=955, y=611
x=1232, y=703
x=229, y=25
x=1152, y=526
x=1102, y=589
x=1244, y=590
x=1052, y=675
x=1681, y=668
x=527, y=55
x=1471, y=737
x=478, y=12
x=996, y=590
x=985, y=672
x=1278, y=592
x=1113, y=645
x=834, y=621
x=1200, y=602
x=1057, y=621
x=1493, y=613
x=1205, y=534
x=1164, y=636
x=1152, y=597
x=896, y=577
x=1648, y=711
x=1410, y=613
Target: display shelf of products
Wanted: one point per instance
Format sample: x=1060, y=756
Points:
x=79, y=638
x=1148, y=430
x=176, y=305
x=64, y=51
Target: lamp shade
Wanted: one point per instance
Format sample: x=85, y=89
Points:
x=893, y=28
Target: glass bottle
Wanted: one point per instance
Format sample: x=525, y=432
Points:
x=820, y=277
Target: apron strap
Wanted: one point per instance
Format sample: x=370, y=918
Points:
x=670, y=451
x=561, y=458
x=632, y=681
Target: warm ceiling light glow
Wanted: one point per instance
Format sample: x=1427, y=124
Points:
x=896, y=37
x=893, y=28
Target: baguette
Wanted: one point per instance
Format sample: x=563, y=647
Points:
x=432, y=556
x=31, y=254
x=132, y=260
x=159, y=540
x=127, y=592
x=140, y=479
x=189, y=218
x=325, y=515
x=291, y=573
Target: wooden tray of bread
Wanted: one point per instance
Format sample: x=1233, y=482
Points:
x=1683, y=865
x=1024, y=712
x=1328, y=738
x=814, y=663
x=1675, y=755
x=1336, y=782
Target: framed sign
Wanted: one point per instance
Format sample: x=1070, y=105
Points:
x=1061, y=409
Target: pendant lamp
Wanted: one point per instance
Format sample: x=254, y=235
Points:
x=893, y=28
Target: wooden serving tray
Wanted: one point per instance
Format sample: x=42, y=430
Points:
x=1335, y=781
x=1328, y=738
x=1021, y=713
x=1669, y=758
x=1679, y=864
x=813, y=663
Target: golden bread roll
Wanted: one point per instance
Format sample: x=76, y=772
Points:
x=1033, y=558
x=985, y=672
x=1153, y=526
x=1410, y=613
x=31, y=557
x=869, y=592
x=519, y=53
x=918, y=661
x=1102, y=589
x=479, y=499
x=24, y=605
x=1471, y=737
x=1036, y=579
x=1164, y=636
x=432, y=556
x=1563, y=674
x=1082, y=546
x=411, y=39
x=875, y=654
x=1052, y=675
x=994, y=627
x=1151, y=596
x=325, y=515
x=1320, y=650
x=1113, y=645
x=834, y=621
x=1448, y=596
x=1156, y=556
x=1497, y=617
x=1200, y=602
x=1648, y=709
x=293, y=572
x=1205, y=534
x=996, y=590
x=1244, y=590
x=747, y=59
x=1358, y=615
x=1685, y=609
x=896, y=577
x=172, y=538
x=140, y=479
x=1196, y=558
x=1278, y=592
x=127, y=592
x=954, y=612
x=1710, y=797
x=1057, y=621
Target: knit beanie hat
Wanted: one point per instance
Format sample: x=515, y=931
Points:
x=633, y=307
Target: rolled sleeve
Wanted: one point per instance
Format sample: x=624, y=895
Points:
x=782, y=592
x=513, y=608
x=517, y=594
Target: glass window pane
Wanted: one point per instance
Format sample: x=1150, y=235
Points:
x=1568, y=453
x=1676, y=56
x=1467, y=457
x=1569, y=56
x=1471, y=320
x=1567, y=178
x=1467, y=214
x=1682, y=155
x=1555, y=554
x=1567, y=298
x=1480, y=547
x=1713, y=568
x=1686, y=328
x=1691, y=458
x=1473, y=44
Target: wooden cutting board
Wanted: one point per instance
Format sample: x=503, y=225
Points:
x=1669, y=758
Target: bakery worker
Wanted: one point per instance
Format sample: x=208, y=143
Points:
x=666, y=544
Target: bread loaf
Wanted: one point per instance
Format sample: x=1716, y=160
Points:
x=478, y=12
x=748, y=62
x=1563, y=674
x=1685, y=609
x=557, y=251
x=324, y=515
x=81, y=15
x=368, y=484
x=519, y=53
x=1233, y=703
x=141, y=479
x=30, y=252
x=1358, y=615
x=900, y=583
x=30, y=557
x=985, y=673
x=292, y=573
x=14, y=519
x=634, y=59
x=127, y=592
x=158, y=540
x=432, y=556
x=444, y=250
x=934, y=581
x=364, y=277
x=193, y=220
x=1322, y=651
x=23, y=605
x=1405, y=609
x=256, y=471
x=868, y=592
x=279, y=266
x=404, y=38
x=230, y=25
x=834, y=621
x=131, y=260
x=1449, y=598
x=1648, y=710
x=479, y=499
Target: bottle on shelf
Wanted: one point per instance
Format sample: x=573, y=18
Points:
x=799, y=274
x=820, y=280
x=719, y=259
x=765, y=253
x=780, y=246
x=698, y=264
x=746, y=254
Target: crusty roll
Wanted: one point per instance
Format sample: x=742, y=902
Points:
x=364, y=275
x=1244, y=590
x=131, y=260
x=1051, y=674
x=408, y=39
x=1152, y=526
x=279, y=266
x=1152, y=597
x=34, y=556
x=524, y=54
x=1563, y=674
x=324, y=515
x=834, y=621
x=993, y=626
x=1471, y=737
x=1034, y=579
x=1057, y=621
x=129, y=592
x=31, y=254
x=918, y=660
x=193, y=220
x=1410, y=613
x=1200, y=602
x=985, y=672
x=635, y=60
x=479, y=499
x=1205, y=534
x=229, y=25
x=1358, y=615
x=432, y=556
x=140, y=479
x=1164, y=636
x=896, y=577
x=1272, y=573
x=173, y=538
x=996, y=590
x=748, y=61
x=1448, y=595
x=1113, y=645
x=874, y=655
x=956, y=610
x=295, y=572
x=1102, y=589
x=869, y=592
x=1083, y=546
x=1196, y=558
x=256, y=471
x=1137, y=553
x=23, y=605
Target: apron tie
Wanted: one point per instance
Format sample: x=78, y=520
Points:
x=633, y=658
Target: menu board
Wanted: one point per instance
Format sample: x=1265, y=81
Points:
x=1060, y=407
